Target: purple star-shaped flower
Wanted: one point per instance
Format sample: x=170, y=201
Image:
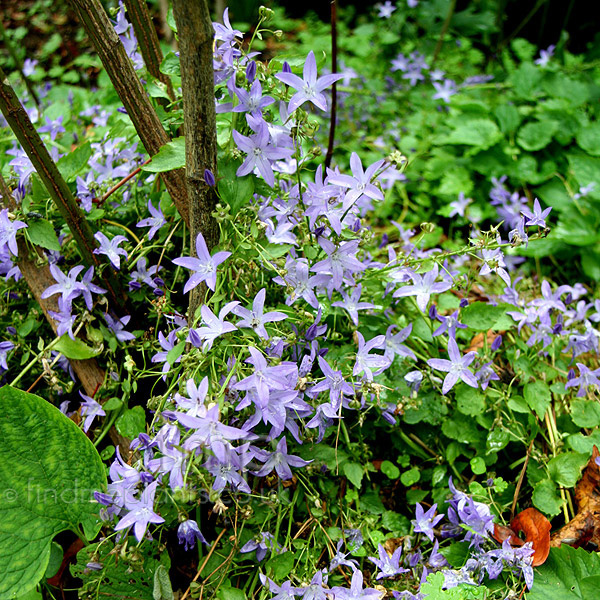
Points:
x=205, y=265
x=457, y=367
x=370, y=364
x=155, y=222
x=538, y=216
x=423, y=287
x=255, y=318
x=90, y=409
x=8, y=232
x=389, y=566
x=67, y=285
x=359, y=182
x=352, y=303
x=309, y=88
x=111, y=248
x=260, y=151
x=214, y=326
x=279, y=460
x=141, y=513
x=426, y=521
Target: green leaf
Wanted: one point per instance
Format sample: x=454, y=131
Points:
x=508, y=118
x=390, y=470
x=536, y=135
x=354, y=472
x=410, y=477
x=56, y=558
x=42, y=234
x=482, y=316
x=568, y=574
x=478, y=465
x=162, y=584
x=282, y=565
x=395, y=522
x=586, y=169
x=170, y=156
x=432, y=589
x=75, y=349
x=72, y=164
x=565, y=469
x=235, y=191
x=469, y=401
x=525, y=80
x=175, y=352
x=588, y=138
x=456, y=554
x=482, y=133
x=170, y=64
x=585, y=413
x=546, y=497
x=48, y=472
x=538, y=397
x=132, y=422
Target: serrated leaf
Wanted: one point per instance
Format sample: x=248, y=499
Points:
x=546, y=498
x=536, y=135
x=75, y=349
x=568, y=574
x=50, y=469
x=470, y=402
x=585, y=413
x=482, y=133
x=538, y=397
x=41, y=233
x=565, y=469
x=170, y=156
x=588, y=138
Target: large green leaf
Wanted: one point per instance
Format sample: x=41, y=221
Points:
x=170, y=156
x=49, y=470
x=536, y=135
x=482, y=133
x=235, y=191
x=482, y=316
x=568, y=574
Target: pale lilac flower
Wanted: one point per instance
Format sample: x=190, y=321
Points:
x=538, y=216
x=586, y=379
x=260, y=151
x=110, y=248
x=457, y=367
x=90, y=409
x=423, y=287
x=264, y=543
x=389, y=566
x=214, y=326
x=205, y=265
x=67, y=285
x=8, y=232
x=155, y=222
x=341, y=261
x=117, y=326
x=385, y=10
x=444, y=91
x=141, y=513
x=309, y=89
x=225, y=32
x=352, y=303
x=545, y=56
x=426, y=521
x=459, y=206
x=359, y=183
x=5, y=348
x=279, y=460
x=356, y=590
x=370, y=364
x=393, y=343
x=255, y=318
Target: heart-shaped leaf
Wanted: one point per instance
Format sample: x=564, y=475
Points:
x=49, y=470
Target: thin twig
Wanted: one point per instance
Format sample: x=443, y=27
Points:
x=210, y=553
x=443, y=32
x=329, y=154
x=520, y=481
x=121, y=183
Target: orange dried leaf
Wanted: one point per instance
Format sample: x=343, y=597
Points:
x=501, y=533
x=536, y=528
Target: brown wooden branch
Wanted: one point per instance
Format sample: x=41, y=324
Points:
x=38, y=277
x=145, y=32
x=195, y=32
x=131, y=92
x=57, y=187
